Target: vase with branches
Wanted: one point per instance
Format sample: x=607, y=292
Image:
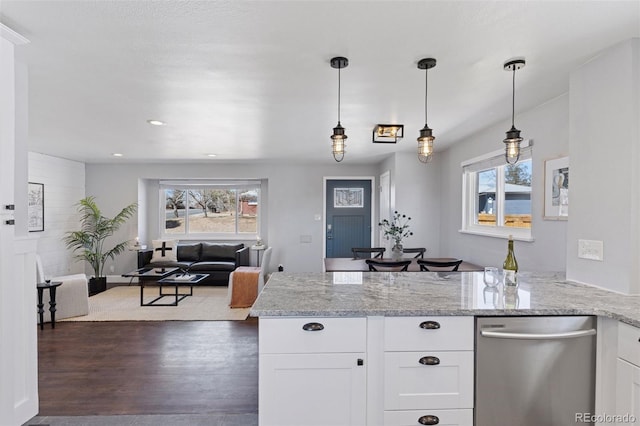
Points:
x=88, y=244
x=396, y=229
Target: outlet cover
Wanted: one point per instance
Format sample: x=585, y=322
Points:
x=591, y=249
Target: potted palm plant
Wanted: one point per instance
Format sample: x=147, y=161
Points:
x=88, y=243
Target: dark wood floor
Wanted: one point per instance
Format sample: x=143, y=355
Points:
x=168, y=367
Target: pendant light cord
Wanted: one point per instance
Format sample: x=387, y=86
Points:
x=339, y=68
x=426, y=89
x=513, y=98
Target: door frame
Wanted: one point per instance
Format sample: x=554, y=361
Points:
x=382, y=242
x=372, y=179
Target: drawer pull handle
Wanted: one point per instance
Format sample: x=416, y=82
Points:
x=429, y=360
x=429, y=420
x=313, y=326
x=430, y=325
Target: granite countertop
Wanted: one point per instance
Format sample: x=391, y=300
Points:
x=358, y=294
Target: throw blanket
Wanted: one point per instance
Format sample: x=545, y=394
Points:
x=245, y=286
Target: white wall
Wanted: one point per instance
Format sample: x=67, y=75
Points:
x=605, y=121
x=547, y=125
x=417, y=194
x=294, y=197
x=63, y=187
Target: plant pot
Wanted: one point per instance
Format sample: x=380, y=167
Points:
x=97, y=285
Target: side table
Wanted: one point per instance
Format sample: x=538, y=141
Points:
x=52, y=286
x=258, y=249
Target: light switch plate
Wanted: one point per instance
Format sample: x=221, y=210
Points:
x=590, y=249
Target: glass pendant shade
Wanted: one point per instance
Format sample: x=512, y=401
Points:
x=425, y=145
x=338, y=143
x=512, y=146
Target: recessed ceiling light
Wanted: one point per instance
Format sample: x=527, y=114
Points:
x=117, y=154
x=156, y=122
x=212, y=155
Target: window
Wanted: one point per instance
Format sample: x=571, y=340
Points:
x=497, y=196
x=215, y=209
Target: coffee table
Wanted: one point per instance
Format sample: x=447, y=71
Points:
x=175, y=281
x=156, y=273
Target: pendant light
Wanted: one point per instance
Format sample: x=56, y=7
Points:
x=425, y=141
x=338, y=138
x=513, y=139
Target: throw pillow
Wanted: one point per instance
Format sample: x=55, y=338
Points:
x=164, y=251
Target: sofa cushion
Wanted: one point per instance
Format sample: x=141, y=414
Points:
x=189, y=252
x=212, y=266
x=164, y=251
x=219, y=252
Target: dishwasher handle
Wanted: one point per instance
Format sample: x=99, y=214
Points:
x=537, y=336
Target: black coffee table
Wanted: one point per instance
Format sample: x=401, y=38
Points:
x=175, y=281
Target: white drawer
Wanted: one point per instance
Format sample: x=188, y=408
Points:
x=629, y=343
x=444, y=417
x=288, y=335
x=428, y=333
x=411, y=382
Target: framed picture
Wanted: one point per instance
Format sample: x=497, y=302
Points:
x=348, y=197
x=36, y=207
x=556, y=189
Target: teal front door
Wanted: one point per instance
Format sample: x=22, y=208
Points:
x=348, y=216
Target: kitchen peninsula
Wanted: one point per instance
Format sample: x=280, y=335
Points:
x=349, y=331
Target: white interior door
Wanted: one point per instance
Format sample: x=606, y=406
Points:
x=18, y=345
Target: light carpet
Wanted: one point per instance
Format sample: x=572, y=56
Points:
x=122, y=303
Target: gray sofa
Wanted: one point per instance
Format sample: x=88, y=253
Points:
x=216, y=259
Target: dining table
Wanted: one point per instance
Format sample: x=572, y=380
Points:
x=348, y=264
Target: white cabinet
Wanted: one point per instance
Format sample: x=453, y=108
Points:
x=428, y=371
x=366, y=371
x=628, y=373
x=312, y=372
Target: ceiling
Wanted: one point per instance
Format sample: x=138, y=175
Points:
x=251, y=80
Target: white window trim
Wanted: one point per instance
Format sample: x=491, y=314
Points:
x=218, y=184
x=469, y=199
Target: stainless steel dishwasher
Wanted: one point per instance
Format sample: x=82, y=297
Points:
x=533, y=371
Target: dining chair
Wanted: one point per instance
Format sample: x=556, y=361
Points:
x=419, y=251
x=426, y=264
x=368, y=252
x=388, y=266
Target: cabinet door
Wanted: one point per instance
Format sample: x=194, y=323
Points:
x=312, y=389
x=628, y=390
x=416, y=380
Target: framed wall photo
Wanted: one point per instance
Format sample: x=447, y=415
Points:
x=556, y=189
x=35, y=207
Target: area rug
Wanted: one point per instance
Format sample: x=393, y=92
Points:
x=122, y=303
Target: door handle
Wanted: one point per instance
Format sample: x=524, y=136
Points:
x=538, y=336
